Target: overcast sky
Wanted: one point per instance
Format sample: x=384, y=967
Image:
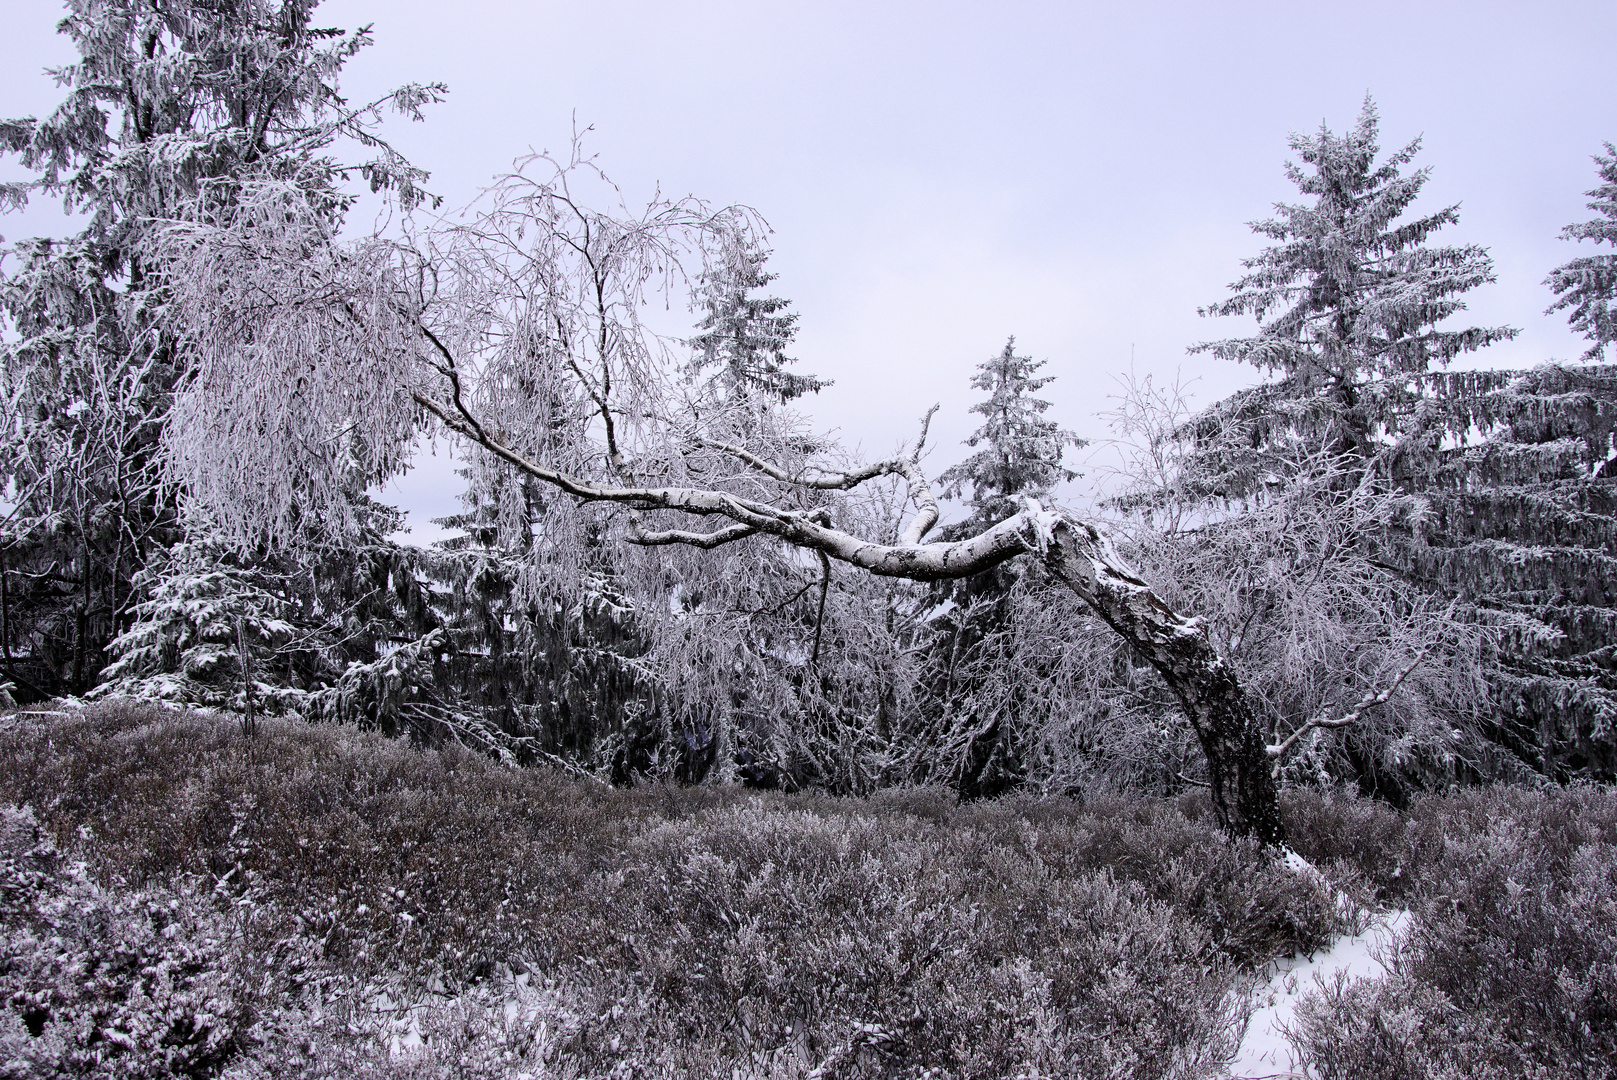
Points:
x=940, y=175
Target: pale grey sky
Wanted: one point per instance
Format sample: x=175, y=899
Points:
x=941, y=175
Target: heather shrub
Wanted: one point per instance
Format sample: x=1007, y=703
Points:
x=1357, y=837
x=1374, y=1029
x=1510, y=968
x=130, y=983
x=517, y=921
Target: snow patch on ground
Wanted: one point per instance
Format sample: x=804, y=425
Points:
x=481, y=1022
x=1265, y=1051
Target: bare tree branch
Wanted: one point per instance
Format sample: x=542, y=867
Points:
x=909, y=468
x=819, y=616
x=707, y=541
x=926, y=507
x=908, y=559
x=821, y=480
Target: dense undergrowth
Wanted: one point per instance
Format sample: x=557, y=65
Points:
x=179, y=900
x=1511, y=967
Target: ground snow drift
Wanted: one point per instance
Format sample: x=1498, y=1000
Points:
x=1265, y=1051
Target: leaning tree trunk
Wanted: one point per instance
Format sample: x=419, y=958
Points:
x=1076, y=552
x=1238, y=765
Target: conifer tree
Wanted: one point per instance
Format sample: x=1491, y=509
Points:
x=202, y=612
x=1018, y=456
x=544, y=656
x=170, y=109
x=1495, y=505
x=1586, y=287
x=219, y=627
x=743, y=338
x=1349, y=297
x=1511, y=472
x=1018, y=451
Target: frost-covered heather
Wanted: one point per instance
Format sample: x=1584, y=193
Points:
x=323, y=902
x=688, y=932
x=1510, y=969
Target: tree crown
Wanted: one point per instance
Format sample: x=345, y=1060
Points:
x=1586, y=287
x=167, y=99
x=1019, y=450
x=742, y=336
x=1349, y=291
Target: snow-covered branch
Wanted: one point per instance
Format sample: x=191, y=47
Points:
x=907, y=559
x=926, y=515
x=1370, y=700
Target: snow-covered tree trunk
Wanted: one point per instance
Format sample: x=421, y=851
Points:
x=1238, y=764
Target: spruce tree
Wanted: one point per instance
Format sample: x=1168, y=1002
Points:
x=1018, y=451
x=1518, y=520
x=743, y=337
x=1500, y=509
x=547, y=651
x=1350, y=295
x=346, y=633
x=202, y=612
x=1586, y=287
x=1018, y=455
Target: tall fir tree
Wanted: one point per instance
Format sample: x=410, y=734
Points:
x=1504, y=514
x=170, y=109
x=548, y=661
x=1586, y=287
x=1349, y=297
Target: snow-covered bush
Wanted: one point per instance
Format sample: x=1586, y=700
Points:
x=1510, y=969
x=145, y=982
x=685, y=931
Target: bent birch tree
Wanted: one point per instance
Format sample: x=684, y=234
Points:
x=315, y=366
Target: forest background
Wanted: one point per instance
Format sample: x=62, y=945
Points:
x=1306, y=543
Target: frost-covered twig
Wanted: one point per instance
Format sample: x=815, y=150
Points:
x=1369, y=701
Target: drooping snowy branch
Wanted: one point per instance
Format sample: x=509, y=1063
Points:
x=1371, y=700
x=318, y=365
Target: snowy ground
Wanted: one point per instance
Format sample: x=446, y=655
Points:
x=1265, y=1051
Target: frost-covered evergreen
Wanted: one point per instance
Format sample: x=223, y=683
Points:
x=169, y=109
x=1586, y=287
x=1509, y=474
x=743, y=338
x=204, y=612
x=545, y=656
x=981, y=671
x=1493, y=503
x=1018, y=451
x=351, y=635
x=1350, y=295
